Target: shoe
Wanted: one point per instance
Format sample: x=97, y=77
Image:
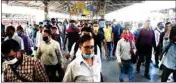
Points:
x=147, y=76
x=137, y=71
x=156, y=66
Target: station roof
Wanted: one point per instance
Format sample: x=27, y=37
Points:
x=61, y=6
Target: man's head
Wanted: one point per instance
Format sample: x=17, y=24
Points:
x=86, y=31
x=54, y=30
x=41, y=28
x=168, y=26
x=10, y=31
x=147, y=24
x=173, y=34
x=160, y=25
x=11, y=51
x=20, y=30
x=140, y=25
x=47, y=35
x=125, y=34
x=87, y=46
x=53, y=20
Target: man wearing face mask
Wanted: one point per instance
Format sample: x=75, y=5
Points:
x=18, y=67
x=49, y=52
x=27, y=46
x=54, y=24
x=10, y=32
x=84, y=68
x=158, y=32
x=56, y=36
x=72, y=34
x=123, y=55
x=169, y=63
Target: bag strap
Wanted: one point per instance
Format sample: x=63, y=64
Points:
x=166, y=50
x=18, y=76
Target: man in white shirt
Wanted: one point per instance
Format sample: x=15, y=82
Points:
x=39, y=36
x=124, y=56
x=158, y=49
x=85, y=68
x=10, y=32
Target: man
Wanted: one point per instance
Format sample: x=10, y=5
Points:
x=136, y=32
x=27, y=46
x=158, y=49
x=72, y=35
x=34, y=33
x=123, y=55
x=109, y=38
x=39, y=36
x=50, y=53
x=169, y=63
x=2, y=32
x=18, y=67
x=10, y=32
x=117, y=31
x=56, y=36
x=54, y=24
x=85, y=68
x=146, y=38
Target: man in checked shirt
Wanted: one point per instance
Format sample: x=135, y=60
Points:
x=18, y=67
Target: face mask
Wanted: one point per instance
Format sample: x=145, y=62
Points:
x=88, y=56
x=45, y=38
x=11, y=62
x=19, y=33
x=72, y=26
x=125, y=36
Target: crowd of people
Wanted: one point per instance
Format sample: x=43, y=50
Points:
x=36, y=53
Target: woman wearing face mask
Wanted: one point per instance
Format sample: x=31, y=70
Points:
x=124, y=46
x=18, y=67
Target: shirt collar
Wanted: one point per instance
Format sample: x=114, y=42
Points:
x=81, y=60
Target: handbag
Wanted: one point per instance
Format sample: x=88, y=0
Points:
x=133, y=55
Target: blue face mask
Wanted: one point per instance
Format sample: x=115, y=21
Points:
x=72, y=26
x=88, y=56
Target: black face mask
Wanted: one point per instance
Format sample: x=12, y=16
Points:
x=45, y=38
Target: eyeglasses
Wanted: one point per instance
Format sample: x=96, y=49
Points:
x=88, y=47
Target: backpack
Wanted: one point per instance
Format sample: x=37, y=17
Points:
x=76, y=49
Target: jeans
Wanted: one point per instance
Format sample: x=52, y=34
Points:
x=127, y=66
x=166, y=73
x=109, y=48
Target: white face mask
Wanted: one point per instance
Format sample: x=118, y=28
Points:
x=11, y=62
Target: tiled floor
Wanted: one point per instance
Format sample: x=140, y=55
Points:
x=110, y=71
